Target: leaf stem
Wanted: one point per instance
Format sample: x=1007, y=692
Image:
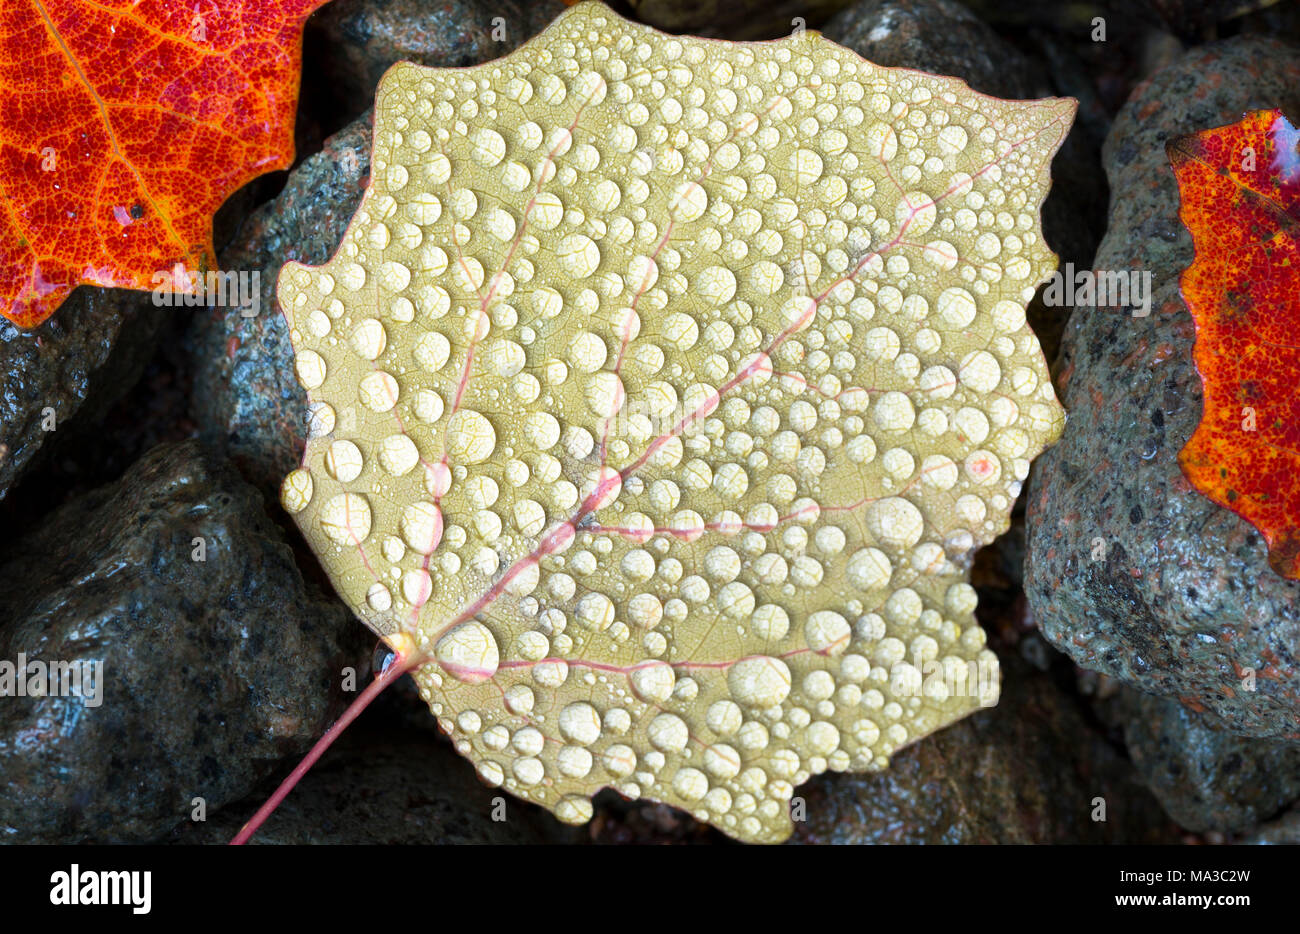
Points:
x=401, y=665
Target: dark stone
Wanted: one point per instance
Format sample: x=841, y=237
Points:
x=386, y=784
x=1066, y=16
x=1182, y=603
x=1207, y=779
x=1026, y=771
x=212, y=671
x=1191, y=19
x=940, y=37
x=1284, y=831
x=353, y=42
x=620, y=822
x=1279, y=20
x=77, y=363
x=734, y=19
x=247, y=401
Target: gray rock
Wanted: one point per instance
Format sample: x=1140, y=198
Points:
x=83, y=358
x=1192, y=19
x=1130, y=571
x=1207, y=779
x=211, y=671
x=1026, y=771
x=247, y=401
x=618, y=821
x=1284, y=831
x=1067, y=16
x=358, y=40
x=385, y=784
x=941, y=37
x=735, y=19
x=1279, y=20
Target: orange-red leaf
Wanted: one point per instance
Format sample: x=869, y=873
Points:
x=1240, y=188
x=124, y=124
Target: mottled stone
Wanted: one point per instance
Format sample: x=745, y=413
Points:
x=1207, y=779
x=246, y=400
x=735, y=19
x=1027, y=771
x=1129, y=570
x=385, y=784
x=1193, y=19
x=619, y=821
x=1284, y=831
x=1281, y=21
x=1196, y=19
x=358, y=40
x=941, y=37
x=213, y=670
x=78, y=362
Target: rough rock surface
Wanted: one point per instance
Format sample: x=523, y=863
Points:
x=356, y=41
x=1129, y=570
x=1285, y=830
x=1195, y=18
x=1026, y=771
x=941, y=37
x=1207, y=779
x=734, y=19
x=246, y=400
x=385, y=784
x=212, y=671
x=83, y=357
x=1192, y=19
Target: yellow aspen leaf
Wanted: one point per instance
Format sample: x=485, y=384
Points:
x=662, y=391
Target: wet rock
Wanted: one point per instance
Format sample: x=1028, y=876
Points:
x=1027, y=771
x=735, y=19
x=246, y=399
x=76, y=364
x=1280, y=21
x=1099, y=75
x=1191, y=19
x=943, y=37
x=209, y=671
x=1129, y=570
x=618, y=821
x=1064, y=17
x=1207, y=779
x=386, y=784
x=354, y=42
x=1284, y=831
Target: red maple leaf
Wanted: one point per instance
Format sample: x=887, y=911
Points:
x=1240, y=188
x=124, y=124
